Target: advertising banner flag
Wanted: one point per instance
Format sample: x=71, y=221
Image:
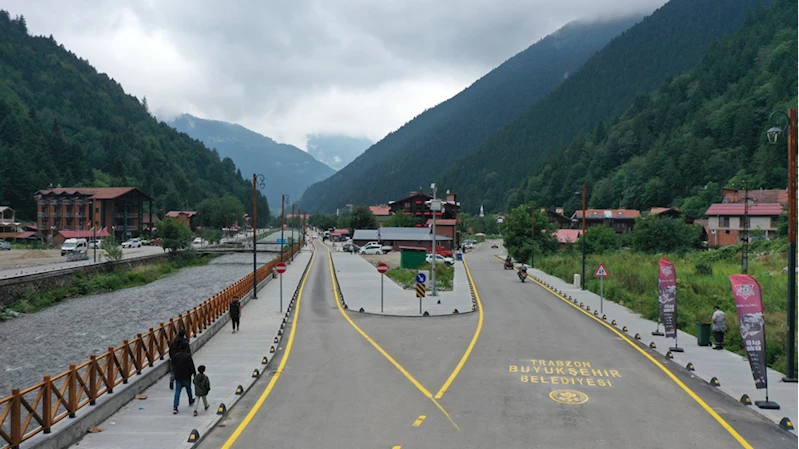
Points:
x=749, y=305
x=667, y=297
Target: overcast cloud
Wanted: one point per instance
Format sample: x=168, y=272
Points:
x=288, y=69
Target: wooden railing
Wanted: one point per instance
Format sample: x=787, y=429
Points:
x=37, y=408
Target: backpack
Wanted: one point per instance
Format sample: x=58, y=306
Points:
x=235, y=308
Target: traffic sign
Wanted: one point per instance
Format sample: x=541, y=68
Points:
x=602, y=272
x=280, y=267
x=281, y=241
x=382, y=268
x=420, y=290
x=421, y=278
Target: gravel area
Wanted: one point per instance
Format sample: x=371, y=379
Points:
x=47, y=342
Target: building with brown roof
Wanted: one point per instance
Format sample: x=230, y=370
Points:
x=187, y=217
x=621, y=220
x=9, y=227
x=381, y=212
x=120, y=210
x=416, y=204
x=761, y=196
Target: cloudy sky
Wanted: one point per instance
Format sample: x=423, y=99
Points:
x=292, y=68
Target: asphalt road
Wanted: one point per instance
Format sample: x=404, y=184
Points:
x=540, y=374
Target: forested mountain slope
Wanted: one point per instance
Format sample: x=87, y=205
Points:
x=286, y=168
x=671, y=40
x=61, y=122
x=701, y=128
x=419, y=151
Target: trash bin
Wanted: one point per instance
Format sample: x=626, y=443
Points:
x=459, y=256
x=702, y=334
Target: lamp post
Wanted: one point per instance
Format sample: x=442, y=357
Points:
x=532, y=236
x=435, y=206
x=773, y=137
x=257, y=182
x=745, y=254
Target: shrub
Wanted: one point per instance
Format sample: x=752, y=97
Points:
x=704, y=268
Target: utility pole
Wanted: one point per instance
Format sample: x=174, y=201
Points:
x=282, y=222
x=254, y=236
x=293, y=223
x=745, y=253
x=582, y=279
x=435, y=206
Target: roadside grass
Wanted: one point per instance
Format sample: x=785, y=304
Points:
x=702, y=281
x=92, y=284
x=407, y=277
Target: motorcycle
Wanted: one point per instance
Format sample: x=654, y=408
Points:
x=523, y=274
x=508, y=265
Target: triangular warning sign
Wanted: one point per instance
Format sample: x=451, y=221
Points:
x=601, y=272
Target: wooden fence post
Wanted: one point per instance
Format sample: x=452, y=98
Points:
x=111, y=377
x=125, y=361
x=93, y=369
x=47, y=405
x=72, y=384
x=16, y=419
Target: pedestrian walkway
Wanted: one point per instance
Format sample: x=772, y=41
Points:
x=360, y=286
x=230, y=360
x=731, y=370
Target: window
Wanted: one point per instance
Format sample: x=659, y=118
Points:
x=775, y=222
x=724, y=222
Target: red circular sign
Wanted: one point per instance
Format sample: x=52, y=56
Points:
x=382, y=268
x=280, y=267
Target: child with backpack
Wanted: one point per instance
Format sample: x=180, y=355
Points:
x=202, y=385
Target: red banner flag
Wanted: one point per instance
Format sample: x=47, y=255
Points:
x=667, y=298
x=749, y=305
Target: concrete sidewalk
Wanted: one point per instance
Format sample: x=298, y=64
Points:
x=731, y=370
x=230, y=360
x=360, y=286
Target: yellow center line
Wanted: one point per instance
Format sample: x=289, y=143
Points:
x=668, y=372
x=380, y=349
x=419, y=420
x=474, y=337
x=230, y=441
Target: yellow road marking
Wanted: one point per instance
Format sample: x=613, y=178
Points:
x=380, y=349
x=397, y=447
x=419, y=420
x=671, y=375
x=230, y=441
x=474, y=338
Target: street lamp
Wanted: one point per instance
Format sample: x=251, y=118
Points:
x=582, y=278
x=257, y=182
x=774, y=134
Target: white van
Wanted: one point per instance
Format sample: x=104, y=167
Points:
x=74, y=246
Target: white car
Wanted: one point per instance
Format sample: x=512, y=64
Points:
x=198, y=241
x=132, y=243
x=440, y=259
x=371, y=248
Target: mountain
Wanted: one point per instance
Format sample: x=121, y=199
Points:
x=700, y=129
x=671, y=40
x=286, y=168
x=61, y=122
x=419, y=151
x=335, y=150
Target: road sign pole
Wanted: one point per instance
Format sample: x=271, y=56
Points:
x=601, y=296
x=281, y=293
x=381, y=292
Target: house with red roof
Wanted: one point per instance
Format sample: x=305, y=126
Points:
x=119, y=210
x=381, y=212
x=726, y=221
x=621, y=220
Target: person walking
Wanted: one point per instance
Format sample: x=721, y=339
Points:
x=719, y=327
x=202, y=385
x=179, y=344
x=183, y=365
x=235, y=313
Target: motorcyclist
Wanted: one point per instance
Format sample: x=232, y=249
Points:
x=508, y=262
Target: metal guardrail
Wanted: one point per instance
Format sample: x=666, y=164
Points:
x=37, y=408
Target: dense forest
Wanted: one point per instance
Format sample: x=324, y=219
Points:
x=286, y=168
x=416, y=153
x=63, y=123
x=701, y=130
x=673, y=39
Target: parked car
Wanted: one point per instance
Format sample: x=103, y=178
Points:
x=439, y=259
x=146, y=242
x=96, y=244
x=199, y=241
x=494, y=245
x=132, y=243
x=443, y=251
x=350, y=247
x=4, y=245
x=371, y=248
